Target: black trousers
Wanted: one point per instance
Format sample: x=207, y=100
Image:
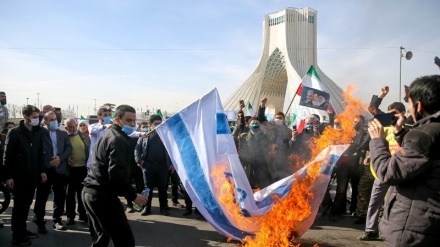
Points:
x=107, y=220
x=157, y=176
x=57, y=182
x=340, y=201
x=74, y=188
x=23, y=196
x=175, y=180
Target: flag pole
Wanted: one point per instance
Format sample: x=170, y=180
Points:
x=287, y=111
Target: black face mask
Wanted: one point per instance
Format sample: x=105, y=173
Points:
x=59, y=117
x=358, y=126
x=3, y=102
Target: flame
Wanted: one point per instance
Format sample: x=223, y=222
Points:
x=279, y=226
x=228, y=199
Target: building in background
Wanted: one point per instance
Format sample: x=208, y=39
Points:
x=289, y=49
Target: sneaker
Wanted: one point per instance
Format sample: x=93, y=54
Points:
x=21, y=241
x=129, y=210
x=178, y=205
x=146, y=211
x=70, y=221
x=164, y=212
x=42, y=229
x=30, y=235
x=368, y=236
x=59, y=226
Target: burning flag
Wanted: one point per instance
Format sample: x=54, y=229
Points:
x=203, y=152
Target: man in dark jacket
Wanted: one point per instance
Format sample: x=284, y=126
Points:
x=24, y=167
x=107, y=179
x=412, y=211
x=57, y=148
x=152, y=157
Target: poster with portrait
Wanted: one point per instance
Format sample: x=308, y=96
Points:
x=314, y=98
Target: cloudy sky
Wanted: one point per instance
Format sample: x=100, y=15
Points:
x=167, y=54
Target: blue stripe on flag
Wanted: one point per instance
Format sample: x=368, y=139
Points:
x=281, y=192
x=222, y=124
x=196, y=176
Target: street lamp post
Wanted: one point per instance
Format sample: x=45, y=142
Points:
x=27, y=101
x=95, y=104
x=38, y=100
x=408, y=55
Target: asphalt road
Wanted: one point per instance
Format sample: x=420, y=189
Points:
x=176, y=230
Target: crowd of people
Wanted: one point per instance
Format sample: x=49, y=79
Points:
x=393, y=169
x=86, y=168
x=397, y=161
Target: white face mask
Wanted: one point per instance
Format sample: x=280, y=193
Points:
x=34, y=122
x=278, y=121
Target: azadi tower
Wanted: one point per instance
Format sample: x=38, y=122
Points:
x=289, y=49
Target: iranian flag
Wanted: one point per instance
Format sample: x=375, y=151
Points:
x=298, y=122
x=250, y=110
x=312, y=86
x=311, y=80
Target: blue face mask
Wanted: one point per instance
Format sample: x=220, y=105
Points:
x=144, y=129
x=255, y=126
x=309, y=126
x=53, y=125
x=106, y=120
x=127, y=129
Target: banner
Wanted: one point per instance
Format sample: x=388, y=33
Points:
x=314, y=98
x=203, y=152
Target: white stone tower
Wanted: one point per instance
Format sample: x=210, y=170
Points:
x=289, y=49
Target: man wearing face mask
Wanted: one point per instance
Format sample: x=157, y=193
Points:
x=59, y=115
x=254, y=153
x=107, y=179
x=152, y=157
x=299, y=143
x=351, y=171
x=98, y=129
x=57, y=151
x=24, y=167
x=279, y=134
x=77, y=170
x=412, y=210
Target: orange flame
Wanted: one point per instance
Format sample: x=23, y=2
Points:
x=278, y=227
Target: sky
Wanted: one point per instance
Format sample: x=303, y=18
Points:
x=167, y=54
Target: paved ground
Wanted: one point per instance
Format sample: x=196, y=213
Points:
x=175, y=230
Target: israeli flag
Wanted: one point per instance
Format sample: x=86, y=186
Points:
x=199, y=142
